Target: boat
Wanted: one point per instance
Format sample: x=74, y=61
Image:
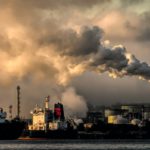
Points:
x=47, y=123
x=10, y=129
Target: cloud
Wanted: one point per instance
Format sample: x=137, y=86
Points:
x=130, y=2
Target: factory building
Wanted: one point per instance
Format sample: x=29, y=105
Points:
x=112, y=112
x=94, y=116
x=132, y=108
x=121, y=114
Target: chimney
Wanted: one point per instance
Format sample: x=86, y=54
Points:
x=18, y=101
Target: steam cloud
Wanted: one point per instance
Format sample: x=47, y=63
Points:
x=74, y=104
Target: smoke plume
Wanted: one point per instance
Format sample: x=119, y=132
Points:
x=118, y=62
x=84, y=51
x=74, y=104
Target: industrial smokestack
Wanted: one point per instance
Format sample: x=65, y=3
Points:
x=59, y=111
x=18, y=101
x=10, y=112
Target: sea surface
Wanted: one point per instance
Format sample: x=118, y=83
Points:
x=75, y=144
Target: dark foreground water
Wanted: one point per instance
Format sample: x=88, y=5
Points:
x=75, y=145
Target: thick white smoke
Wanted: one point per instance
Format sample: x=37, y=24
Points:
x=74, y=104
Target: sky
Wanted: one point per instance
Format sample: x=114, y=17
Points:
x=78, y=51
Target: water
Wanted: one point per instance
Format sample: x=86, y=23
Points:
x=75, y=145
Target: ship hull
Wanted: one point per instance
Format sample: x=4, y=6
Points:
x=54, y=134
x=11, y=130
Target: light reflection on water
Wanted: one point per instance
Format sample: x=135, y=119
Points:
x=75, y=145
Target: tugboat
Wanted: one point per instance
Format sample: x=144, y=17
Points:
x=47, y=123
x=11, y=129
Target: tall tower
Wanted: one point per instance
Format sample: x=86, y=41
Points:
x=18, y=101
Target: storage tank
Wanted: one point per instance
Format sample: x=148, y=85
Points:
x=146, y=115
x=135, y=121
x=78, y=121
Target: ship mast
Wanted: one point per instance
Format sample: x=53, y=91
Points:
x=18, y=101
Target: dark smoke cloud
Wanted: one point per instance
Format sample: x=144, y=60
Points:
x=88, y=42
x=111, y=58
x=116, y=60
x=138, y=68
x=69, y=42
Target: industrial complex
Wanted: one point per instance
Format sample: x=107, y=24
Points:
x=121, y=121
x=118, y=121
